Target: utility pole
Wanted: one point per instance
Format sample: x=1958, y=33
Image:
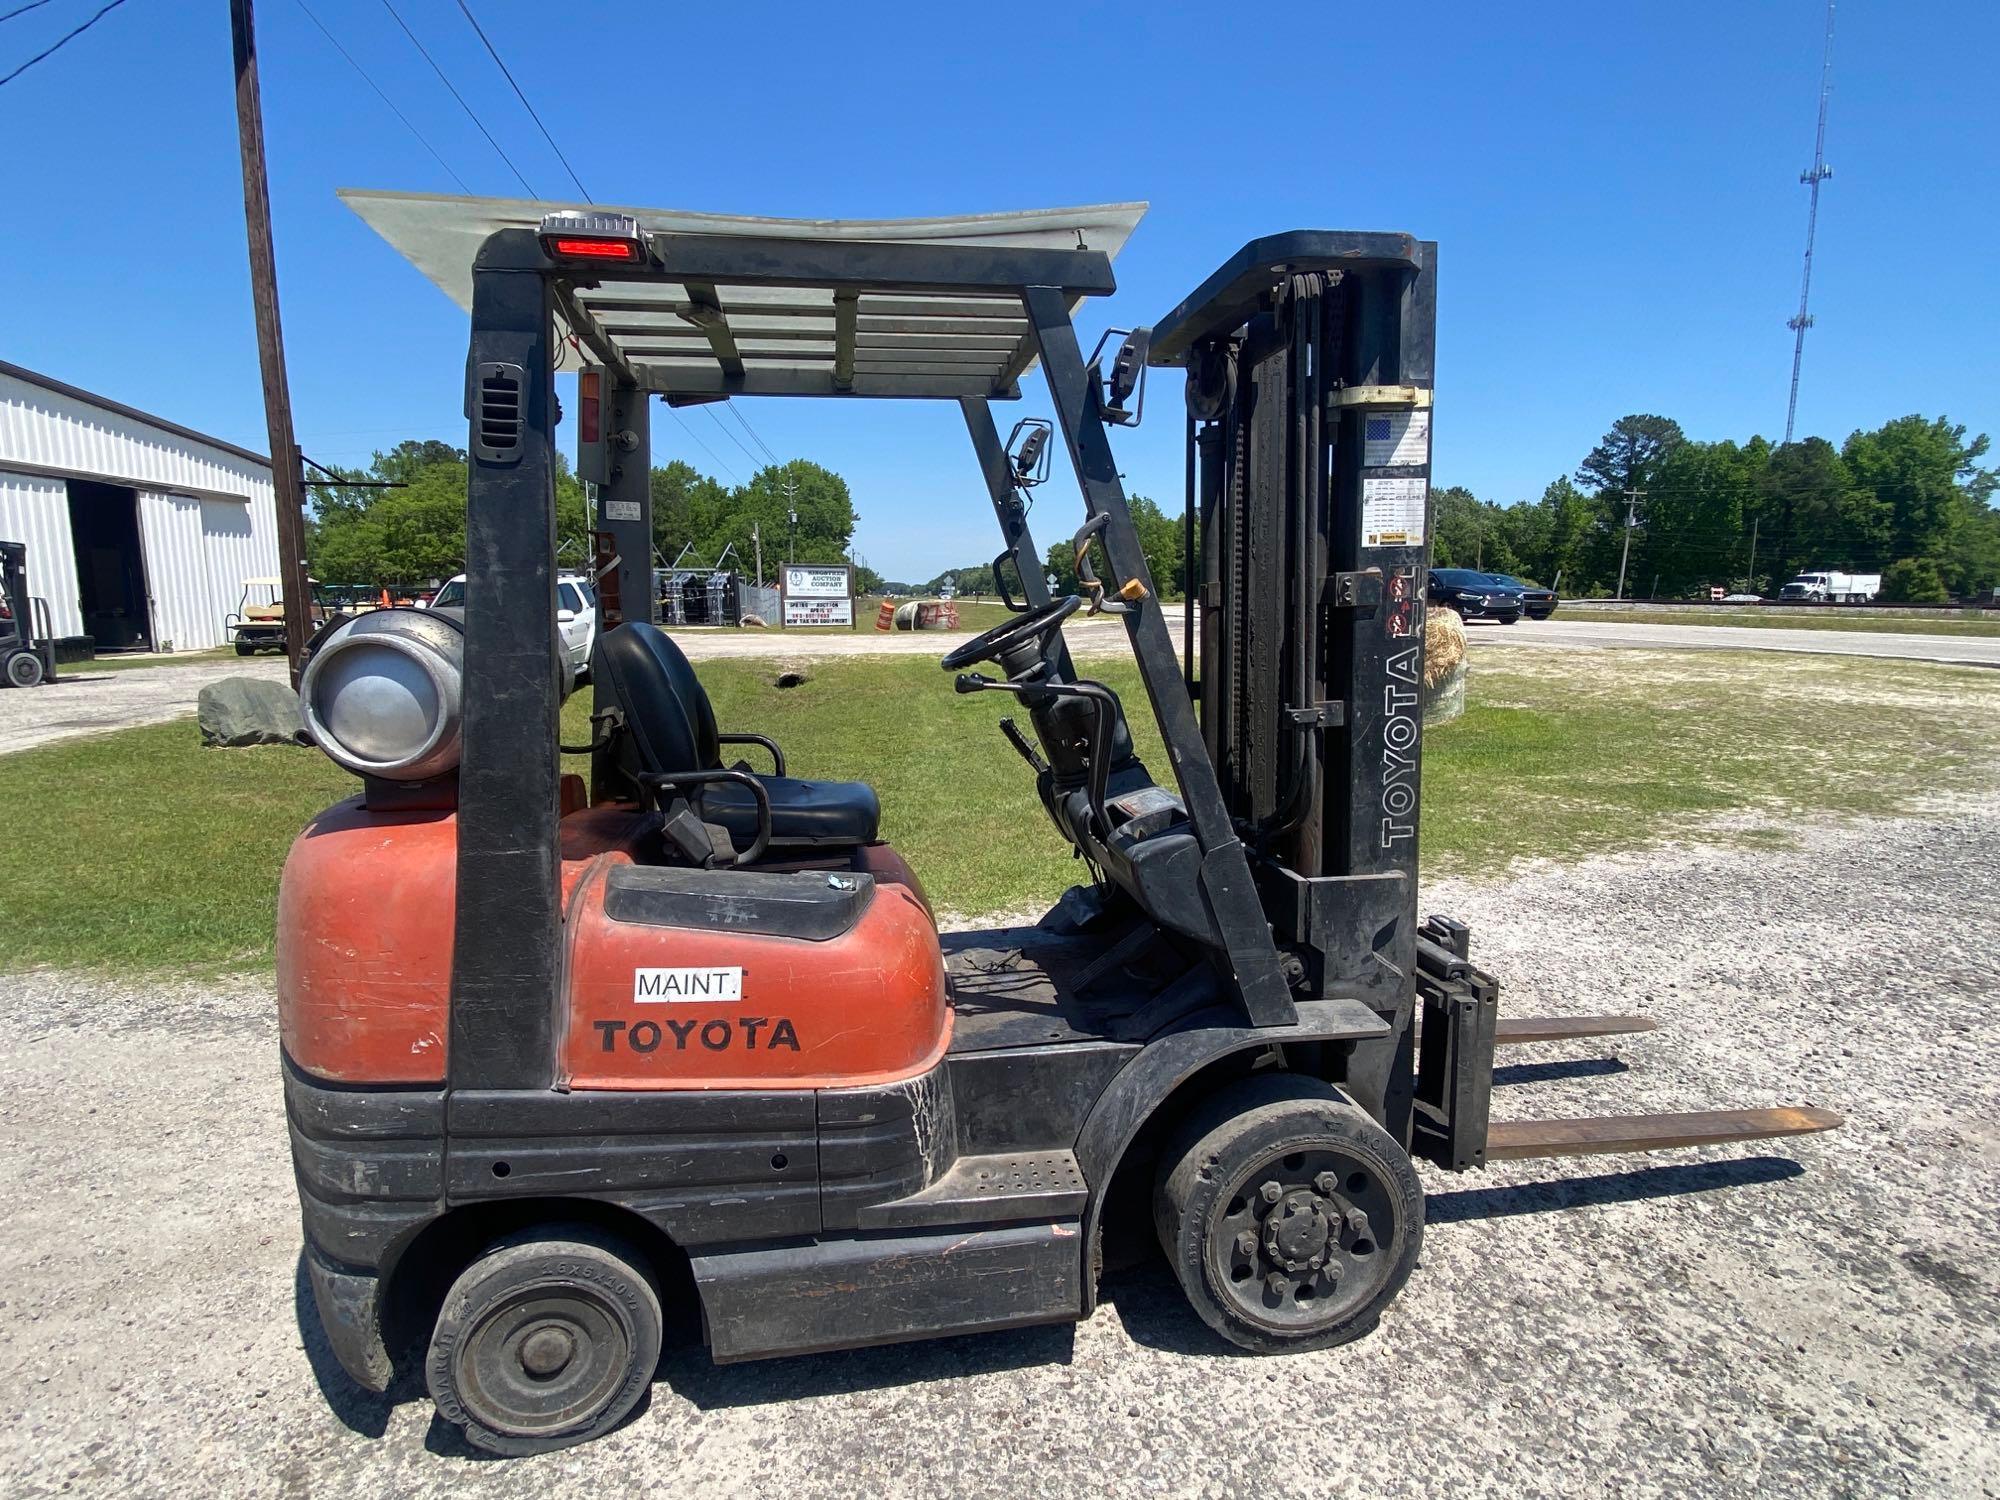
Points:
x=1750, y=578
x=791, y=489
x=1812, y=177
x=1632, y=499
x=757, y=541
x=287, y=477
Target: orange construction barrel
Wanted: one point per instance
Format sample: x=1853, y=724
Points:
x=885, y=617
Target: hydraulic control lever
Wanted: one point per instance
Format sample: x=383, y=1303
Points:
x=1024, y=745
x=1105, y=712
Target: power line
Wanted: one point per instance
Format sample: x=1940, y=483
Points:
x=461, y=100
x=55, y=47
x=731, y=436
x=737, y=412
x=703, y=446
x=494, y=54
x=1813, y=176
x=22, y=10
x=383, y=97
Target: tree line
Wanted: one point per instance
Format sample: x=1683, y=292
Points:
x=415, y=531
x=1908, y=500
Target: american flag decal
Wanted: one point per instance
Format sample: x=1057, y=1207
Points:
x=1378, y=430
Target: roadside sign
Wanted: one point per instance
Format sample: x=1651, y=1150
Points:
x=816, y=594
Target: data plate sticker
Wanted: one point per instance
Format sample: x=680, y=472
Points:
x=621, y=510
x=1392, y=512
x=684, y=986
x=1391, y=439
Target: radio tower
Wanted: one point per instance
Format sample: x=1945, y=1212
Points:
x=1812, y=177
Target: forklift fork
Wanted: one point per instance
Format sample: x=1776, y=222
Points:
x=1461, y=1026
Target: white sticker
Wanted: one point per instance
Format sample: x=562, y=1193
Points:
x=1392, y=438
x=620, y=510
x=686, y=986
x=1392, y=512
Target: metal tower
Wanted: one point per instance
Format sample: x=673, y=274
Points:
x=1812, y=177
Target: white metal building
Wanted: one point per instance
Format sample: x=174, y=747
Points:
x=140, y=532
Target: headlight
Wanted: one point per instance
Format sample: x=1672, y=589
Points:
x=381, y=694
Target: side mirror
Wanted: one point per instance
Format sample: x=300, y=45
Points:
x=565, y=616
x=1028, y=451
x=1128, y=375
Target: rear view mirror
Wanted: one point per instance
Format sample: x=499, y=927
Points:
x=565, y=616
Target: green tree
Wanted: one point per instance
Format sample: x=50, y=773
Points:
x=816, y=494
x=687, y=506
x=1629, y=454
x=1931, y=493
x=1809, y=512
x=1914, y=580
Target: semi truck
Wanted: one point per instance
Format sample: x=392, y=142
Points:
x=1833, y=588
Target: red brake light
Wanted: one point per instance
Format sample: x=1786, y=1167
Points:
x=594, y=249
x=589, y=406
x=574, y=235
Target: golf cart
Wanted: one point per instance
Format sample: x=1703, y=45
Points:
x=552, y=1051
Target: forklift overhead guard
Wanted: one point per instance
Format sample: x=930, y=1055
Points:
x=545, y=1045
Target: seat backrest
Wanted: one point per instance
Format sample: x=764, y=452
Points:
x=669, y=725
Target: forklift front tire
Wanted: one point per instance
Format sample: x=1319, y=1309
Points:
x=1290, y=1217
x=24, y=669
x=548, y=1339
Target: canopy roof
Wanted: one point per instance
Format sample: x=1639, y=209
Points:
x=779, y=332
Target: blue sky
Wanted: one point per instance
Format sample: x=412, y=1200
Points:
x=1614, y=187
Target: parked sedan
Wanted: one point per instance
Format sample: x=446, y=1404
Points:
x=1475, y=596
x=1537, y=603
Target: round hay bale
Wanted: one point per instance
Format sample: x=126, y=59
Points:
x=1444, y=666
x=1444, y=644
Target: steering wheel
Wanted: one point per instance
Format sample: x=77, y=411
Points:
x=1003, y=639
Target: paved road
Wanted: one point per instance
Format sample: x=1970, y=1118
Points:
x=94, y=702
x=1811, y=1319
x=1963, y=650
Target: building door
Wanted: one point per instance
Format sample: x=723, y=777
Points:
x=110, y=567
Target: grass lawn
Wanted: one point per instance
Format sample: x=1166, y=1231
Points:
x=140, y=850
x=1938, y=624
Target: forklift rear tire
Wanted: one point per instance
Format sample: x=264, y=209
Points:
x=1291, y=1218
x=24, y=669
x=548, y=1339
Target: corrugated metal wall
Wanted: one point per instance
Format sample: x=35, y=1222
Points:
x=36, y=511
x=199, y=544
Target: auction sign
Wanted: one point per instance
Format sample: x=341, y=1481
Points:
x=817, y=594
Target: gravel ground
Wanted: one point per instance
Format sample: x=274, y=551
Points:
x=93, y=702
x=1959, y=650
x=1815, y=1318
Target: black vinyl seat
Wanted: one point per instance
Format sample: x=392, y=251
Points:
x=669, y=726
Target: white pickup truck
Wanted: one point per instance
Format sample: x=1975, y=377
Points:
x=1833, y=588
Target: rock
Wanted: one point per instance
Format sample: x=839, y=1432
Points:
x=240, y=711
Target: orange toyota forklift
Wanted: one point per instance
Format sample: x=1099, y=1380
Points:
x=549, y=1049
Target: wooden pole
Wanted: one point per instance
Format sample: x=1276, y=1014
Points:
x=287, y=477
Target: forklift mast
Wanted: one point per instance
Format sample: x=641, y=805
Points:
x=1309, y=360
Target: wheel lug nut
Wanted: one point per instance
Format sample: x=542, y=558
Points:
x=1246, y=1242
x=1270, y=1192
x=1277, y=1281
x=1326, y=1184
x=1357, y=1221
